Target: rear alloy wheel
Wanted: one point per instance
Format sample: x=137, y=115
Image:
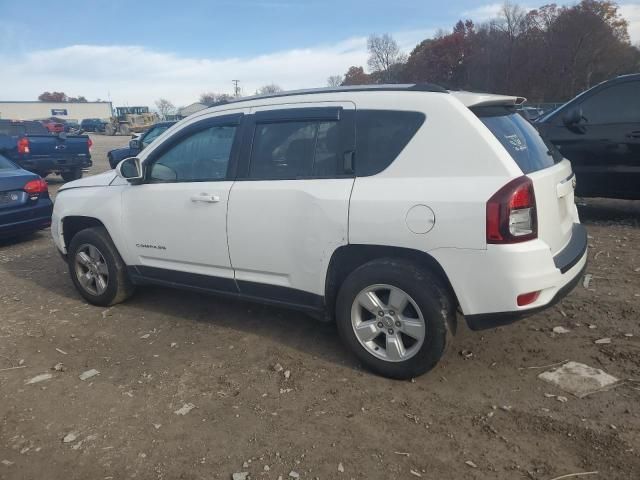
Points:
x=388, y=323
x=395, y=317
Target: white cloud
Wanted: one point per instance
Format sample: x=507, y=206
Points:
x=137, y=75
x=484, y=13
x=631, y=12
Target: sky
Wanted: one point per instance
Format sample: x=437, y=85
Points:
x=134, y=52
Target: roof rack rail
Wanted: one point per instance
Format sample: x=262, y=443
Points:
x=400, y=87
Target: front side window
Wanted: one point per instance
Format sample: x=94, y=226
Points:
x=302, y=149
x=202, y=156
x=616, y=104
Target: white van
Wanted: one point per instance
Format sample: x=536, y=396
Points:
x=386, y=208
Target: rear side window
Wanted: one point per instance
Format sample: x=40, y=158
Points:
x=12, y=129
x=519, y=137
x=6, y=164
x=298, y=149
x=35, y=128
x=380, y=137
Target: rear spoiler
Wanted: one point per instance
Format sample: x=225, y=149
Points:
x=471, y=99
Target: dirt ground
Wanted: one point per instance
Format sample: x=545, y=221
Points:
x=481, y=415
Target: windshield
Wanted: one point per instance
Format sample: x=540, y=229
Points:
x=520, y=138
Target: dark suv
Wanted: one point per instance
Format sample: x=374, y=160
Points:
x=599, y=131
x=92, y=125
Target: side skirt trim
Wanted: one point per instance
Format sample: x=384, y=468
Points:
x=242, y=290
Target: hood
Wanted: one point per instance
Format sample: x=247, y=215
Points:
x=100, y=180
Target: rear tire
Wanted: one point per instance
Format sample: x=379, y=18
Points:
x=401, y=313
x=124, y=129
x=97, y=269
x=71, y=175
x=109, y=129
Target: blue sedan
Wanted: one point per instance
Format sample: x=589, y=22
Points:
x=25, y=205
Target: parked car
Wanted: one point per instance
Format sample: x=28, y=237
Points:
x=530, y=113
x=599, y=131
x=25, y=206
x=137, y=143
x=52, y=126
x=28, y=144
x=357, y=204
x=92, y=125
x=72, y=126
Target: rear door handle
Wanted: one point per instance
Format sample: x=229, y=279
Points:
x=634, y=134
x=205, y=197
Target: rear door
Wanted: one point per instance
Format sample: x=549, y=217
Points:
x=288, y=209
x=552, y=176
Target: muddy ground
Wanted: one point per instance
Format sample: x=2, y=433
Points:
x=480, y=415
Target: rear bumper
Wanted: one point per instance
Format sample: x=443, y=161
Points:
x=484, y=321
x=488, y=282
x=26, y=220
x=570, y=263
x=55, y=164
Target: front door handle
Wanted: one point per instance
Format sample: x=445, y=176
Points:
x=205, y=197
x=634, y=134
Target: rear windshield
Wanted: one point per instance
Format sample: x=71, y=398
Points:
x=520, y=138
x=15, y=129
x=6, y=164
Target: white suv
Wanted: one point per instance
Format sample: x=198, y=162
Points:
x=385, y=208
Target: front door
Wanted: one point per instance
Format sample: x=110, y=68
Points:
x=604, y=147
x=175, y=222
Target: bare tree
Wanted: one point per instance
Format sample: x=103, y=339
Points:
x=211, y=98
x=334, y=81
x=384, y=54
x=269, y=89
x=165, y=107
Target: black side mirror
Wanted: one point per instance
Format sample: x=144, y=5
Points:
x=135, y=144
x=131, y=170
x=573, y=117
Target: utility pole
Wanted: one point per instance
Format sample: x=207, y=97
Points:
x=236, y=88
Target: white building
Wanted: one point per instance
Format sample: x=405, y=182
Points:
x=191, y=109
x=64, y=110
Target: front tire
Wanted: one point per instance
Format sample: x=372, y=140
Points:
x=395, y=317
x=96, y=268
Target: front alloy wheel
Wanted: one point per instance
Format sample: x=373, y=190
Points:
x=91, y=269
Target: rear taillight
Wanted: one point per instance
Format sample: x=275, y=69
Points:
x=89, y=143
x=35, y=187
x=511, y=213
x=23, y=146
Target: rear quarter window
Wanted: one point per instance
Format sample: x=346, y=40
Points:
x=380, y=137
x=6, y=164
x=519, y=138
